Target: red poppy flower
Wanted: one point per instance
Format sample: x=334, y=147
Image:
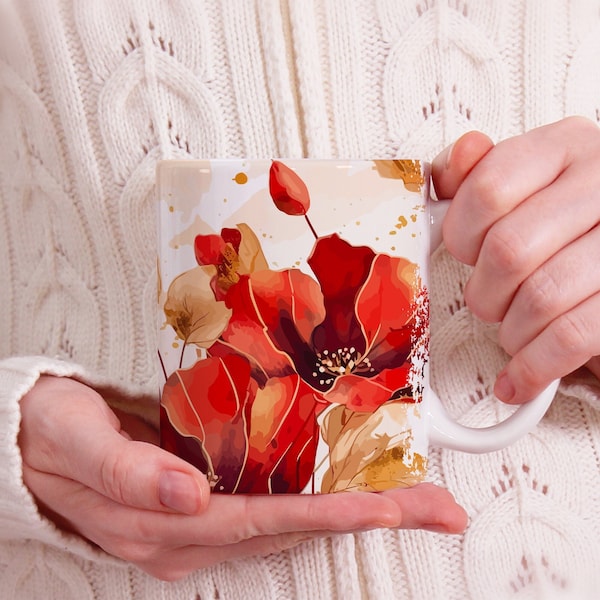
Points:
x=348, y=334
x=247, y=438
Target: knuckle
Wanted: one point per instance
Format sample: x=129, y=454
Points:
x=505, y=249
x=252, y=526
x=111, y=476
x=570, y=333
x=480, y=306
x=541, y=294
x=491, y=187
x=576, y=124
x=583, y=136
x=280, y=543
x=529, y=374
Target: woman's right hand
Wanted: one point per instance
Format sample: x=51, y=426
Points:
x=151, y=508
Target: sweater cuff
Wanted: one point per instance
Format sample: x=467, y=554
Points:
x=19, y=515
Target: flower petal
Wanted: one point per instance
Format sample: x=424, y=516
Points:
x=287, y=189
x=250, y=251
x=273, y=316
x=206, y=402
x=341, y=270
x=192, y=309
x=250, y=440
x=393, y=310
x=371, y=452
x=283, y=438
x=366, y=395
x=209, y=249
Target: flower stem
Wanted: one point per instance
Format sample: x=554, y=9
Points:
x=182, y=353
x=311, y=227
x=162, y=364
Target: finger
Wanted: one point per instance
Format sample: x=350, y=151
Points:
x=450, y=167
x=78, y=438
x=229, y=519
x=507, y=175
x=427, y=506
x=421, y=506
x=565, y=345
x=232, y=519
x=177, y=564
x=557, y=287
x=525, y=239
x=129, y=533
x=424, y=506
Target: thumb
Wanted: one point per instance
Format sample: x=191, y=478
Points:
x=68, y=430
x=141, y=475
x=452, y=165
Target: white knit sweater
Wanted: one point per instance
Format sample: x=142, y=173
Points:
x=94, y=92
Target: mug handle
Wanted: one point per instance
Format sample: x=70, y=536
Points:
x=444, y=431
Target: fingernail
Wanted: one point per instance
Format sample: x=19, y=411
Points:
x=179, y=492
x=504, y=389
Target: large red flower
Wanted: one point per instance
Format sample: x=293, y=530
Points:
x=247, y=438
x=348, y=334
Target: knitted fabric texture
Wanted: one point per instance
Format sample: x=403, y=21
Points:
x=93, y=93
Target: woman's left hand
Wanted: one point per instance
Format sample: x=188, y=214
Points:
x=526, y=214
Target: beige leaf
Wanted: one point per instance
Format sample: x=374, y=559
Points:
x=371, y=451
x=192, y=310
x=250, y=252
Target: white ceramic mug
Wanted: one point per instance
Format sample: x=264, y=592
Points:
x=294, y=337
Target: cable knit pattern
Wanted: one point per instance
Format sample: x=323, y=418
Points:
x=93, y=93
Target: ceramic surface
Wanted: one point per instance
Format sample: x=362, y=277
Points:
x=294, y=322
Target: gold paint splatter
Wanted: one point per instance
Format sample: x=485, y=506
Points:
x=407, y=170
x=358, y=222
x=393, y=232
x=297, y=263
x=394, y=468
x=393, y=248
x=224, y=200
x=264, y=235
x=241, y=178
x=413, y=218
x=402, y=222
x=175, y=345
x=171, y=208
x=414, y=235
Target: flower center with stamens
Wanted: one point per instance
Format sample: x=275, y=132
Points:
x=342, y=361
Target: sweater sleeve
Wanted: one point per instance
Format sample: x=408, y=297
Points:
x=19, y=515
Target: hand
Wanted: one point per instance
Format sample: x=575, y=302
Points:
x=526, y=214
x=155, y=510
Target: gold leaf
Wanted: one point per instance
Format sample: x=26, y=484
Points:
x=192, y=310
x=408, y=170
x=371, y=451
x=250, y=253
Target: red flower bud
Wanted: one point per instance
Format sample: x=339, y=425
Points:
x=288, y=190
